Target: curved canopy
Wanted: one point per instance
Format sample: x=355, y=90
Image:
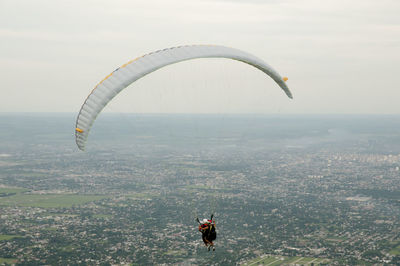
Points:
x=123, y=76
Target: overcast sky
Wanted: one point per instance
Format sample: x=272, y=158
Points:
x=340, y=56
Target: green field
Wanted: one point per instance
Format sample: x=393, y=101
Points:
x=9, y=190
x=59, y=214
x=141, y=196
x=395, y=251
x=8, y=237
x=48, y=200
x=8, y=261
x=102, y=216
x=197, y=187
x=68, y=248
x=175, y=252
x=272, y=260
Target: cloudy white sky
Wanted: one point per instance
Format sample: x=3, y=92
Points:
x=340, y=56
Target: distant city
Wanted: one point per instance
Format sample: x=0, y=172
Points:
x=284, y=190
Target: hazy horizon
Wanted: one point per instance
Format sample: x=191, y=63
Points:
x=339, y=56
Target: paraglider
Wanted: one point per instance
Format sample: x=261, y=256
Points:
x=208, y=232
x=123, y=76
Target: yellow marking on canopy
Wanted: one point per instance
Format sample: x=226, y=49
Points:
x=285, y=78
x=109, y=75
x=124, y=65
x=79, y=130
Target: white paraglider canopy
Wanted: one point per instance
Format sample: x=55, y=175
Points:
x=123, y=76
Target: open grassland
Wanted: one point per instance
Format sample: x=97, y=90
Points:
x=48, y=200
x=8, y=237
x=175, y=252
x=7, y=261
x=271, y=260
x=12, y=190
x=142, y=196
x=395, y=251
x=102, y=216
x=4, y=191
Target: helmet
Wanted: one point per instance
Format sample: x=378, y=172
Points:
x=204, y=221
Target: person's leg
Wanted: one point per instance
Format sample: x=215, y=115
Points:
x=204, y=240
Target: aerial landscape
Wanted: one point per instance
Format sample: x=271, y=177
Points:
x=284, y=190
x=186, y=132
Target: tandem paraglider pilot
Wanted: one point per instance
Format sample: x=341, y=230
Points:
x=208, y=232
